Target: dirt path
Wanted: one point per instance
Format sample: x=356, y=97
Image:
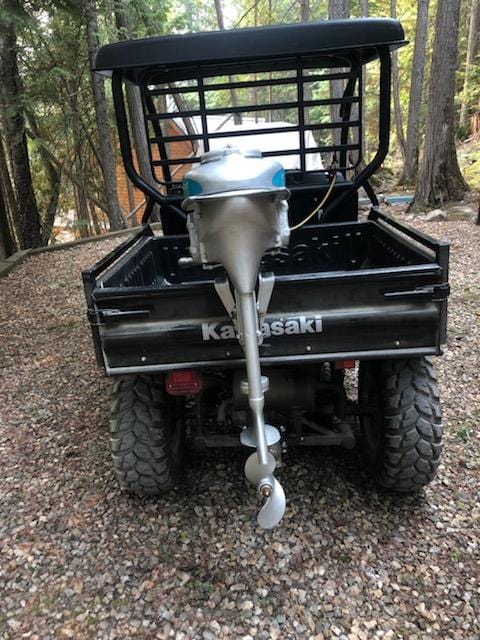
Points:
x=79, y=559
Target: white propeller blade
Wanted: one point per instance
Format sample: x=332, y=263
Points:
x=272, y=511
x=254, y=471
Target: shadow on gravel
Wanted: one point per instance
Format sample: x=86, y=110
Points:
x=328, y=486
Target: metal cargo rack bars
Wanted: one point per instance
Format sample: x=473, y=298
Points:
x=311, y=103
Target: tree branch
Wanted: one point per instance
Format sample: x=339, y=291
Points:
x=70, y=175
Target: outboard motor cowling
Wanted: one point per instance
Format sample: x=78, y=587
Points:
x=237, y=204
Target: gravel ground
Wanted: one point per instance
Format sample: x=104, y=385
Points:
x=79, y=559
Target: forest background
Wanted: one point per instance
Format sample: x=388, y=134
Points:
x=59, y=150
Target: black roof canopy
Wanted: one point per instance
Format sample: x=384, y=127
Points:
x=360, y=37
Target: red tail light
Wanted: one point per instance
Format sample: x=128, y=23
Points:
x=183, y=383
x=344, y=364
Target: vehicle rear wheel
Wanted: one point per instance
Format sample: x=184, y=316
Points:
x=402, y=439
x=146, y=435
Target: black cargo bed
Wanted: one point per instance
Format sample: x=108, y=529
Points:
x=359, y=290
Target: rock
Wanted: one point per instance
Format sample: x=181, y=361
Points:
x=95, y=550
x=280, y=550
x=13, y=624
x=461, y=212
x=425, y=613
x=435, y=216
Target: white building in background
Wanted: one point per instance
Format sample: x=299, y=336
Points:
x=272, y=141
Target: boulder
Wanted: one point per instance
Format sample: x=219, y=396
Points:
x=461, y=212
x=435, y=216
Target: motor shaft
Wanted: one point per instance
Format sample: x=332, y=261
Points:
x=247, y=313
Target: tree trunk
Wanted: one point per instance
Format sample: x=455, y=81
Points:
x=270, y=88
x=94, y=219
x=12, y=100
x=255, y=77
x=54, y=177
x=7, y=242
x=9, y=197
x=55, y=181
x=476, y=127
x=472, y=50
x=364, y=13
x=337, y=9
x=304, y=10
x=64, y=169
x=151, y=29
x=307, y=87
x=130, y=194
x=439, y=177
x=135, y=111
x=237, y=117
x=412, y=144
x=187, y=120
x=107, y=154
x=397, y=106
x=79, y=164
x=139, y=136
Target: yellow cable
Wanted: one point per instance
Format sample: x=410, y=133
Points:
x=318, y=207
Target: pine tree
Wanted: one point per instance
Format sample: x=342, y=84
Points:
x=440, y=178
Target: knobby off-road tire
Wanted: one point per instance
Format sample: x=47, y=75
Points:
x=403, y=442
x=146, y=435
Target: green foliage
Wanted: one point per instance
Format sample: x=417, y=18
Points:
x=464, y=432
x=469, y=160
x=54, y=67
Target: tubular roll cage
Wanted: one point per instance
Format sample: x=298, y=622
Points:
x=156, y=75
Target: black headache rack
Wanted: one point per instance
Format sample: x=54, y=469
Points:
x=371, y=289
x=294, y=91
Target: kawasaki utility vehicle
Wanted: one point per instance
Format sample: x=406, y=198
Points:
x=235, y=325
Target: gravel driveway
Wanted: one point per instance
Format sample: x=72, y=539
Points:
x=79, y=559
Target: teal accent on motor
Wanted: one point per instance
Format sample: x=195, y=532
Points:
x=278, y=179
x=191, y=187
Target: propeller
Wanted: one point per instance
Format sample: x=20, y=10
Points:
x=255, y=471
x=274, y=507
x=269, y=487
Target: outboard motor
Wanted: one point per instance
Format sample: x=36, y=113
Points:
x=237, y=206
